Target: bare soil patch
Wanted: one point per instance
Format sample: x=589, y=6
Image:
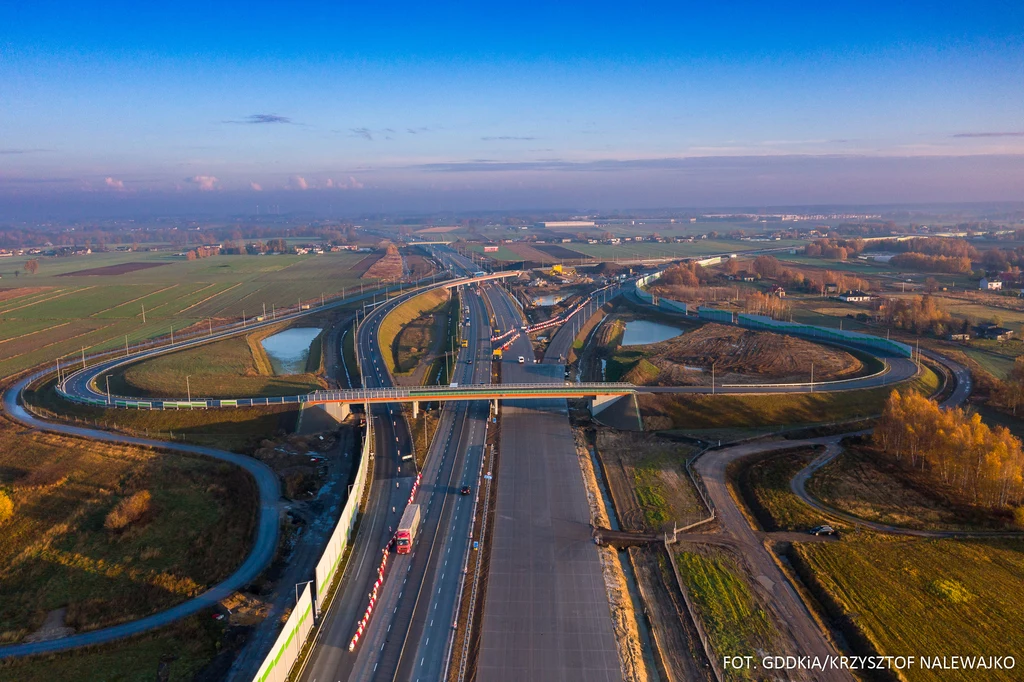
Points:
x=740, y=355
x=119, y=269
x=530, y=253
x=17, y=292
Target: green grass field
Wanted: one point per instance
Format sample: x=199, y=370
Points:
x=892, y=595
x=736, y=625
x=55, y=551
x=98, y=312
x=234, y=367
x=924, y=597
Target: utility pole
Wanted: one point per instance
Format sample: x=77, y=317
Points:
x=712, y=378
x=143, y=313
x=209, y=321
x=126, y=353
x=58, y=371
x=172, y=335
x=264, y=311
x=83, y=357
x=812, y=377
x=188, y=388
x=108, y=389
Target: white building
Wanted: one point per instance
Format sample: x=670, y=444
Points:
x=990, y=284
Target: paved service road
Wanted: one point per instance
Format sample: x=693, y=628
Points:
x=546, y=614
x=259, y=557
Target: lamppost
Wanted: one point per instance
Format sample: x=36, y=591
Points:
x=188, y=389
x=108, y=389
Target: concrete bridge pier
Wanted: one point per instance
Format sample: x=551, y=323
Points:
x=337, y=411
x=601, y=402
x=415, y=409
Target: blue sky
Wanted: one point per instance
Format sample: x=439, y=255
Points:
x=430, y=105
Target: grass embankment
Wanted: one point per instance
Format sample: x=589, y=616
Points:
x=687, y=412
x=762, y=482
x=735, y=623
x=232, y=368
x=400, y=360
x=58, y=549
x=238, y=429
x=896, y=595
x=181, y=650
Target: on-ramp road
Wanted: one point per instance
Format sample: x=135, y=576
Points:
x=259, y=557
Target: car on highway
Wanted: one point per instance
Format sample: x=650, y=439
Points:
x=464, y=490
x=824, y=529
x=522, y=360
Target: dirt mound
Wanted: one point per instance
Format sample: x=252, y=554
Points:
x=741, y=355
x=389, y=266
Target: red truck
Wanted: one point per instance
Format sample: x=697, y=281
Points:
x=407, y=529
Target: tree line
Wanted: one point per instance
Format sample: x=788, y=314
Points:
x=984, y=465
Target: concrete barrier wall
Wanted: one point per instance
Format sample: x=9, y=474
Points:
x=342, y=535
x=285, y=651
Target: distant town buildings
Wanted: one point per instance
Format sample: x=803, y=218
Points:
x=990, y=284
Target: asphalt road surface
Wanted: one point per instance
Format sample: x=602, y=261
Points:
x=390, y=486
x=546, y=614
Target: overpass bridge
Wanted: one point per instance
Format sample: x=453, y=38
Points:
x=337, y=402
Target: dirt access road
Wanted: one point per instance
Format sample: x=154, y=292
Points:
x=790, y=614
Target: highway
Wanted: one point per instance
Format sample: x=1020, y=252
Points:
x=391, y=483
x=407, y=636
x=546, y=613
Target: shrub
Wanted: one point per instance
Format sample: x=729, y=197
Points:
x=1018, y=517
x=6, y=507
x=128, y=511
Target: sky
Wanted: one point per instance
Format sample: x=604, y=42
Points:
x=182, y=107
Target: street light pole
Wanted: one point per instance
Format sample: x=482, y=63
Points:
x=712, y=378
x=188, y=388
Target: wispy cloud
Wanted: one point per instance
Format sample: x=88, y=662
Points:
x=23, y=151
x=114, y=183
x=206, y=183
x=1003, y=134
x=297, y=182
x=507, y=138
x=261, y=119
x=370, y=133
x=255, y=187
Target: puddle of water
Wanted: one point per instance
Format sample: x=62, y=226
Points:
x=289, y=350
x=548, y=299
x=643, y=332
